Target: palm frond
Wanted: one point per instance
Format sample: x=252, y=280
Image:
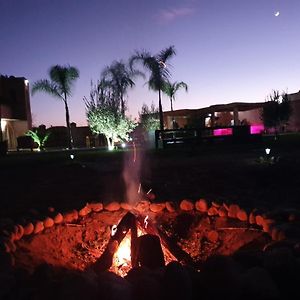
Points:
x=45, y=85
x=139, y=56
x=64, y=77
x=167, y=53
x=181, y=84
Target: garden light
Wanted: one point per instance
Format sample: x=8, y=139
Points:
x=267, y=151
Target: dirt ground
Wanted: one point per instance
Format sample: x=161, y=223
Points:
x=77, y=246
x=32, y=183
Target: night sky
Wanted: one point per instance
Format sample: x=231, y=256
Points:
x=227, y=50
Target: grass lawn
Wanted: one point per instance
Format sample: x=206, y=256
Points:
x=216, y=172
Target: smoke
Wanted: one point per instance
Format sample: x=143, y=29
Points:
x=132, y=175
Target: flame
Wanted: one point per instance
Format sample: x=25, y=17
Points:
x=146, y=221
x=122, y=257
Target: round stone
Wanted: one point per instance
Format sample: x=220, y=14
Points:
x=48, y=222
x=170, y=206
x=112, y=206
x=126, y=206
x=222, y=212
x=96, y=206
x=201, y=205
x=157, y=207
x=28, y=229
x=186, y=205
x=39, y=227
x=212, y=211
x=142, y=206
x=242, y=215
x=233, y=210
x=84, y=211
x=58, y=218
x=71, y=216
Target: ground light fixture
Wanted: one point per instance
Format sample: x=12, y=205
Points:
x=72, y=156
x=267, y=150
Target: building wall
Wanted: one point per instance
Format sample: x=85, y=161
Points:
x=180, y=120
x=13, y=129
x=294, y=122
x=252, y=116
x=15, y=108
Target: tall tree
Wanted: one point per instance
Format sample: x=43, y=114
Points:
x=171, y=89
x=149, y=117
x=159, y=72
x=277, y=110
x=60, y=86
x=104, y=114
x=120, y=77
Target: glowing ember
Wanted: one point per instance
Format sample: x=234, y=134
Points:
x=149, y=191
x=114, y=230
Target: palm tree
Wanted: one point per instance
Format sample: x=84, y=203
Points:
x=60, y=85
x=171, y=89
x=159, y=72
x=120, y=77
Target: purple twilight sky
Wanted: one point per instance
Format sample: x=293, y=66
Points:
x=227, y=50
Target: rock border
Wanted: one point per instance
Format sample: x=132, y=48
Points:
x=280, y=225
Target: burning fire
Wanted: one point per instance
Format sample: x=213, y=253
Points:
x=122, y=257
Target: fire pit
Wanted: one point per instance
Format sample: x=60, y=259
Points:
x=121, y=238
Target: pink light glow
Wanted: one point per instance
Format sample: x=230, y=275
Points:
x=222, y=131
x=257, y=129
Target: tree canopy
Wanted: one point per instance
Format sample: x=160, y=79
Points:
x=277, y=110
x=104, y=114
x=171, y=89
x=149, y=117
x=120, y=77
x=159, y=71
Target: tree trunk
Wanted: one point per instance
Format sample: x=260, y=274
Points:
x=122, y=106
x=171, y=103
x=69, y=131
x=161, y=116
x=110, y=143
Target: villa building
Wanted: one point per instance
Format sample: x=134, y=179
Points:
x=15, y=113
x=232, y=114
